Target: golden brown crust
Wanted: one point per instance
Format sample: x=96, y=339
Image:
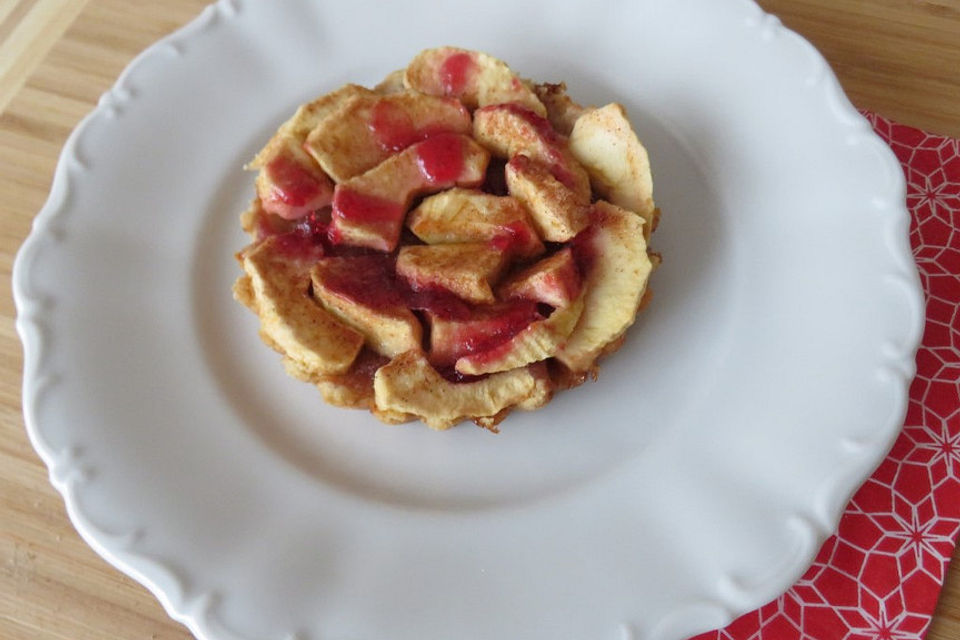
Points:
x=353, y=389
x=563, y=378
x=243, y=293
x=490, y=422
x=393, y=83
x=562, y=112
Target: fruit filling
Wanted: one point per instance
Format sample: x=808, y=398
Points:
x=453, y=244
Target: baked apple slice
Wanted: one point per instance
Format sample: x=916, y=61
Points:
x=466, y=270
x=465, y=215
x=276, y=286
x=606, y=145
x=454, y=337
x=554, y=281
x=361, y=291
x=615, y=266
x=308, y=115
x=472, y=77
x=368, y=128
x=558, y=212
x=302, y=122
x=509, y=129
x=368, y=210
x=409, y=385
x=538, y=341
x=290, y=184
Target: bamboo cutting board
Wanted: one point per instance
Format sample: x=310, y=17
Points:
x=898, y=57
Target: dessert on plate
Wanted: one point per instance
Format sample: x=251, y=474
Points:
x=452, y=244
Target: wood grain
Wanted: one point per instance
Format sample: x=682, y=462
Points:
x=28, y=29
x=899, y=57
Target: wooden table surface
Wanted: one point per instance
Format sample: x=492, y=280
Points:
x=898, y=57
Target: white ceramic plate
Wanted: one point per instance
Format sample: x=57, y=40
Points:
x=694, y=481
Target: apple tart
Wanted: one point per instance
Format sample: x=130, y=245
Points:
x=453, y=244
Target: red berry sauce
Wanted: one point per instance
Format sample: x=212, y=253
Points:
x=584, y=251
x=496, y=330
x=440, y=158
x=369, y=280
x=292, y=183
x=372, y=281
x=353, y=209
x=356, y=206
x=392, y=126
x=439, y=302
x=484, y=329
x=455, y=73
x=514, y=237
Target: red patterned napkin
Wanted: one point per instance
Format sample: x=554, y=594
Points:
x=879, y=577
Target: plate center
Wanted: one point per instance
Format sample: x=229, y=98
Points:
x=643, y=389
